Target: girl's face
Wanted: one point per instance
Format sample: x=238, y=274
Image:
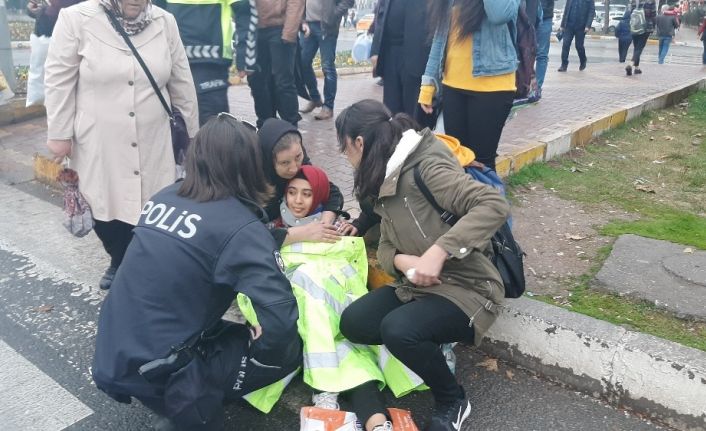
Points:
x=287, y=162
x=354, y=151
x=132, y=8
x=299, y=197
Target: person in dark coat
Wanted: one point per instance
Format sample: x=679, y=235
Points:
x=46, y=14
x=622, y=32
x=161, y=338
x=399, y=53
x=576, y=22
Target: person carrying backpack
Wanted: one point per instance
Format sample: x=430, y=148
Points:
x=447, y=289
x=642, y=24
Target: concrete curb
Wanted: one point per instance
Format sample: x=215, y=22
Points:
x=15, y=111
x=557, y=143
x=660, y=379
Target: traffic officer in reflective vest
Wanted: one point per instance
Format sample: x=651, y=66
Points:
x=206, y=29
x=198, y=243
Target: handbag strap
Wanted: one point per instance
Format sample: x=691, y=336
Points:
x=121, y=30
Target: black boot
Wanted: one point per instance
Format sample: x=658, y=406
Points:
x=107, y=278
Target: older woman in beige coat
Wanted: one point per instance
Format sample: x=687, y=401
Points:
x=103, y=113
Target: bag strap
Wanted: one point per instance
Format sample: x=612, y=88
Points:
x=125, y=36
x=446, y=216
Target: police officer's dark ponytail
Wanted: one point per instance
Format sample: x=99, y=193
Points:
x=381, y=132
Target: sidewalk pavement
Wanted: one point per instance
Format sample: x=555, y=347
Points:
x=658, y=378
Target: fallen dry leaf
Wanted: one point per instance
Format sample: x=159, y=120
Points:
x=44, y=308
x=510, y=375
x=644, y=188
x=669, y=138
x=574, y=237
x=490, y=364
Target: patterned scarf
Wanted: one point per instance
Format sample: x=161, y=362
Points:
x=131, y=27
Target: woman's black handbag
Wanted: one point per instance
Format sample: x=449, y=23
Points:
x=180, y=136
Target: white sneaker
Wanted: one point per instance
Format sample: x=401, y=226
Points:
x=387, y=426
x=326, y=400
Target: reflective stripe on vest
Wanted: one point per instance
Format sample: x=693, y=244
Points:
x=265, y=398
x=398, y=377
x=328, y=359
x=305, y=282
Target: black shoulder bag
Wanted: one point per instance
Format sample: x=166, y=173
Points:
x=180, y=136
x=507, y=254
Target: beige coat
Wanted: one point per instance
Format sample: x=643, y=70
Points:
x=410, y=225
x=98, y=95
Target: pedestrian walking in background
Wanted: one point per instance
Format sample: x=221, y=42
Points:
x=702, y=37
x=198, y=243
x=104, y=114
x=665, y=24
x=399, y=53
x=642, y=24
x=471, y=69
x=622, y=33
x=544, y=34
x=206, y=30
x=320, y=33
x=46, y=14
x=575, y=23
x=449, y=291
x=272, y=86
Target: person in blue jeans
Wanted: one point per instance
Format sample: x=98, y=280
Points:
x=665, y=24
x=322, y=19
x=576, y=22
x=544, y=33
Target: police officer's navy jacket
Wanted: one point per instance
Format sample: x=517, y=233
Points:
x=183, y=268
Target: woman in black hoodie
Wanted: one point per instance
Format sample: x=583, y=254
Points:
x=282, y=155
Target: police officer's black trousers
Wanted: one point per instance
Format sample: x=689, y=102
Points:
x=194, y=396
x=115, y=236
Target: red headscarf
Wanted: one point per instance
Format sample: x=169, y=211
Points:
x=319, y=185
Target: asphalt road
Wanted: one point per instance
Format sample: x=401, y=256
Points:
x=598, y=51
x=48, y=309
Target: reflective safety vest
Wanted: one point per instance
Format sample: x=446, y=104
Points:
x=327, y=278
x=398, y=377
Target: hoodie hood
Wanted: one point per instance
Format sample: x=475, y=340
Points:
x=269, y=134
x=410, y=151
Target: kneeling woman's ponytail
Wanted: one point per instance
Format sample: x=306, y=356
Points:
x=381, y=132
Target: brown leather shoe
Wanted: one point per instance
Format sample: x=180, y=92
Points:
x=324, y=114
x=310, y=106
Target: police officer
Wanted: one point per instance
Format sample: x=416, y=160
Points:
x=198, y=243
x=206, y=29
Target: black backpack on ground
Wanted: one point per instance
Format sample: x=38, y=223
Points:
x=507, y=254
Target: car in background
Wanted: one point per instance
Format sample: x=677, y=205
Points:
x=364, y=23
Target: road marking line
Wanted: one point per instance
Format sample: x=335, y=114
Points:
x=31, y=400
